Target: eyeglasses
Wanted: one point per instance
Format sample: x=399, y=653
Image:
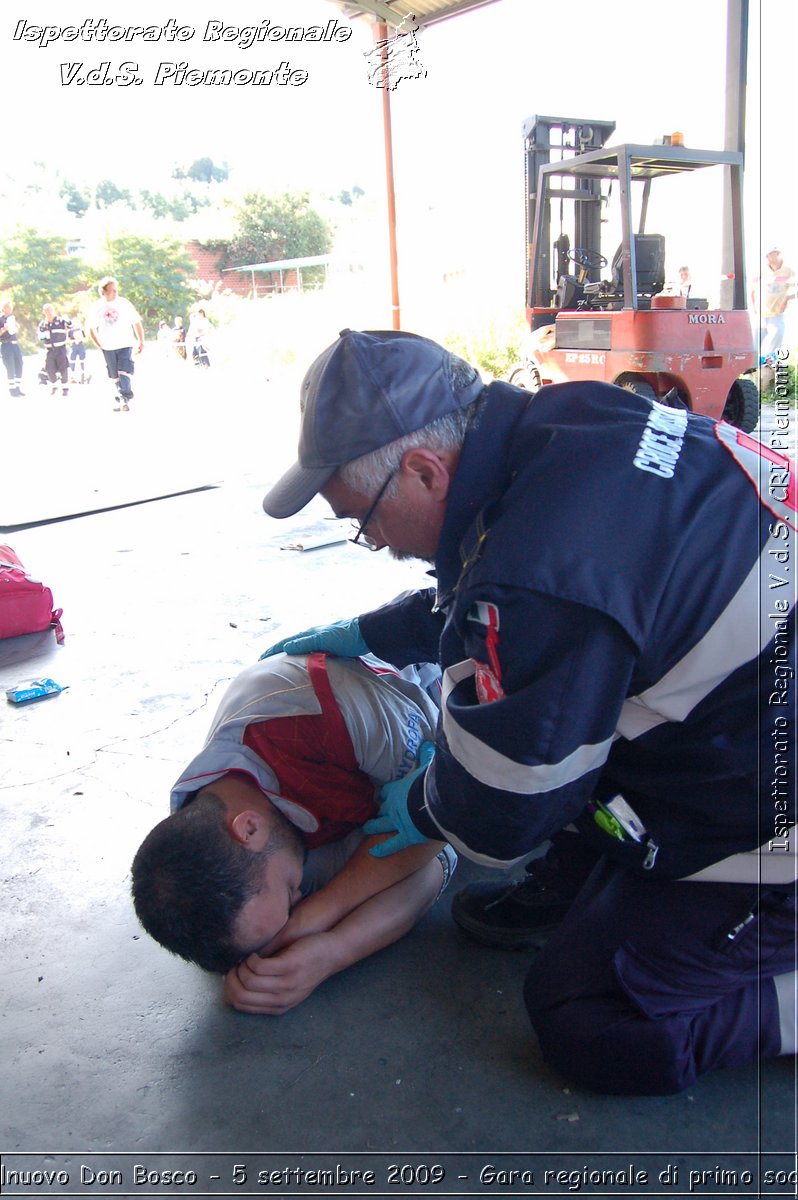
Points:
x=361, y=528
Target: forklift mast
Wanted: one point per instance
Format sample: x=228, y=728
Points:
x=562, y=137
x=630, y=328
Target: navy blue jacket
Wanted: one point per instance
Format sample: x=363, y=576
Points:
x=55, y=333
x=614, y=615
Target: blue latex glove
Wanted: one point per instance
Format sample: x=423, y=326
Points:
x=341, y=637
x=393, y=816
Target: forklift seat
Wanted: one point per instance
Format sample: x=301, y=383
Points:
x=569, y=292
x=650, y=255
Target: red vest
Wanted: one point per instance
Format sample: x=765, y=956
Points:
x=315, y=764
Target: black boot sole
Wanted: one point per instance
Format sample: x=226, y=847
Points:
x=504, y=939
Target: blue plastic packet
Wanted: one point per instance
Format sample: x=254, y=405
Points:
x=34, y=689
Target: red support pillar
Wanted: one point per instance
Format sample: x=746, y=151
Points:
x=381, y=39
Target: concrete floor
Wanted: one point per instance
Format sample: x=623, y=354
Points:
x=109, y=1045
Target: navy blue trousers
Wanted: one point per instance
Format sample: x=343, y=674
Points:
x=57, y=364
x=645, y=985
x=120, y=367
x=12, y=360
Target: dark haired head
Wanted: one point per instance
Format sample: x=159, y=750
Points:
x=191, y=879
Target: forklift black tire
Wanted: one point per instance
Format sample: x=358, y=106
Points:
x=526, y=378
x=742, y=405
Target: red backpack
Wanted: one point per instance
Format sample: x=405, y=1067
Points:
x=26, y=606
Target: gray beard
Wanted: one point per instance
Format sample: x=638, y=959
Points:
x=406, y=556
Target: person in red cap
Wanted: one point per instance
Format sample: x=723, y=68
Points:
x=614, y=616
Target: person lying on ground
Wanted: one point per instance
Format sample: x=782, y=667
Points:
x=262, y=870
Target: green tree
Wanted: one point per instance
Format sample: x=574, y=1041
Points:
x=107, y=193
x=78, y=200
x=270, y=228
x=179, y=208
x=153, y=274
x=186, y=204
x=203, y=170
x=36, y=269
x=348, y=197
x=156, y=202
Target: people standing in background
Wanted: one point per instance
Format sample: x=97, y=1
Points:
x=10, y=349
x=164, y=338
x=772, y=291
x=684, y=283
x=197, y=338
x=77, y=352
x=54, y=334
x=179, y=336
x=113, y=325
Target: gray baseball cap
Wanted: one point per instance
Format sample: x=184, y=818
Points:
x=363, y=392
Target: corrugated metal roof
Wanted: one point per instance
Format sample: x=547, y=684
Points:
x=422, y=12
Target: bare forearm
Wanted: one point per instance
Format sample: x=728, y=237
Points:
x=362, y=878
x=270, y=986
x=386, y=917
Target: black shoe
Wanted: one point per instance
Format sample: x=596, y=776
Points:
x=520, y=914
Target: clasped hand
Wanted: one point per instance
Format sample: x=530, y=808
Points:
x=273, y=985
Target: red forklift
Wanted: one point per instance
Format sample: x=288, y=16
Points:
x=596, y=314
